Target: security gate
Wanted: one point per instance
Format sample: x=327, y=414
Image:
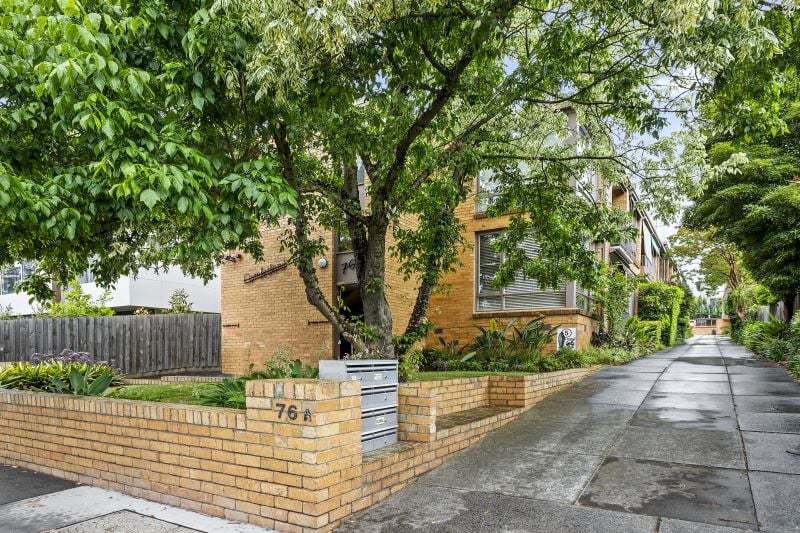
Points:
x=378, y=379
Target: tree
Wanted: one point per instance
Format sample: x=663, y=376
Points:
x=164, y=133
x=753, y=201
x=127, y=137
x=751, y=194
x=614, y=298
x=717, y=262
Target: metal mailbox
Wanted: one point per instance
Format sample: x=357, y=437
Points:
x=378, y=379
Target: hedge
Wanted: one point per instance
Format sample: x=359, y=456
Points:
x=661, y=302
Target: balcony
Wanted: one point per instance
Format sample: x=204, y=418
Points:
x=626, y=250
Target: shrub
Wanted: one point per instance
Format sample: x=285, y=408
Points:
x=794, y=365
x=757, y=335
x=779, y=350
x=179, y=302
x=662, y=302
x=230, y=392
x=69, y=377
x=409, y=364
x=642, y=336
x=533, y=337
x=684, y=329
x=493, y=341
x=613, y=297
x=75, y=302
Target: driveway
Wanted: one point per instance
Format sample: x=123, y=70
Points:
x=699, y=438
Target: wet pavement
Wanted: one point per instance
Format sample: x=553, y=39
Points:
x=32, y=502
x=699, y=438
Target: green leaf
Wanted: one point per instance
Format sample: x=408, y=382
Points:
x=183, y=204
x=197, y=100
x=149, y=197
x=77, y=381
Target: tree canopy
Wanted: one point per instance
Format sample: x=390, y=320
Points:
x=127, y=135
x=750, y=198
x=149, y=132
x=753, y=201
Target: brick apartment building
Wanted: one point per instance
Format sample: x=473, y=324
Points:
x=265, y=311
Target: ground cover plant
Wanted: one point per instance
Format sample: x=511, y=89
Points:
x=184, y=393
x=774, y=340
x=230, y=392
x=69, y=373
x=511, y=348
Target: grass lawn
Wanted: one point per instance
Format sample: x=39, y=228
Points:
x=454, y=374
x=186, y=393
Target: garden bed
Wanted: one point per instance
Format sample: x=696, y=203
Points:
x=180, y=393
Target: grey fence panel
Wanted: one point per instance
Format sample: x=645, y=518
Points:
x=138, y=345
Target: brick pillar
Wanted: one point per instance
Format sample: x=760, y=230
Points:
x=416, y=415
x=314, y=429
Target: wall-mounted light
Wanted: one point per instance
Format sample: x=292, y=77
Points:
x=323, y=262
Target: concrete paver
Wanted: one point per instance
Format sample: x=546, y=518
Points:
x=698, y=438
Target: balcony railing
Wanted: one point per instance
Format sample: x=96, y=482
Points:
x=628, y=249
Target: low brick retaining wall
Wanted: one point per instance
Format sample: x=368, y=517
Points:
x=291, y=461
x=421, y=402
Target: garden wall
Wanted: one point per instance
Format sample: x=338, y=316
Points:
x=292, y=461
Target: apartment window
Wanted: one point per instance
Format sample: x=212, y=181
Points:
x=12, y=274
x=522, y=293
x=86, y=277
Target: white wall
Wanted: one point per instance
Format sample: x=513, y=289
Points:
x=147, y=289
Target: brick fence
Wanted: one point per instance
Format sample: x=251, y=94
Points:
x=291, y=461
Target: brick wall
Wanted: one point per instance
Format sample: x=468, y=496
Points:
x=242, y=465
x=452, y=307
x=292, y=461
x=454, y=395
x=271, y=315
x=422, y=402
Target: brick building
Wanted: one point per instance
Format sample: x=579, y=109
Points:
x=265, y=311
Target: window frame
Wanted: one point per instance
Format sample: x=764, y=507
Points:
x=501, y=293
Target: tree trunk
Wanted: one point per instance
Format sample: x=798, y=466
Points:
x=371, y=282
x=788, y=308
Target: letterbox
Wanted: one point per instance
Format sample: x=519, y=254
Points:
x=378, y=379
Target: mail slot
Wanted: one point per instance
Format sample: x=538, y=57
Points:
x=379, y=385
x=379, y=397
x=378, y=439
x=378, y=419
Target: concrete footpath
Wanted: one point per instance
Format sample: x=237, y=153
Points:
x=31, y=502
x=700, y=438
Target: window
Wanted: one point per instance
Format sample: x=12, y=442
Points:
x=11, y=275
x=86, y=277
x=522, y=293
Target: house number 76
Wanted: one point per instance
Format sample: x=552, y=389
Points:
x=292, y=412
